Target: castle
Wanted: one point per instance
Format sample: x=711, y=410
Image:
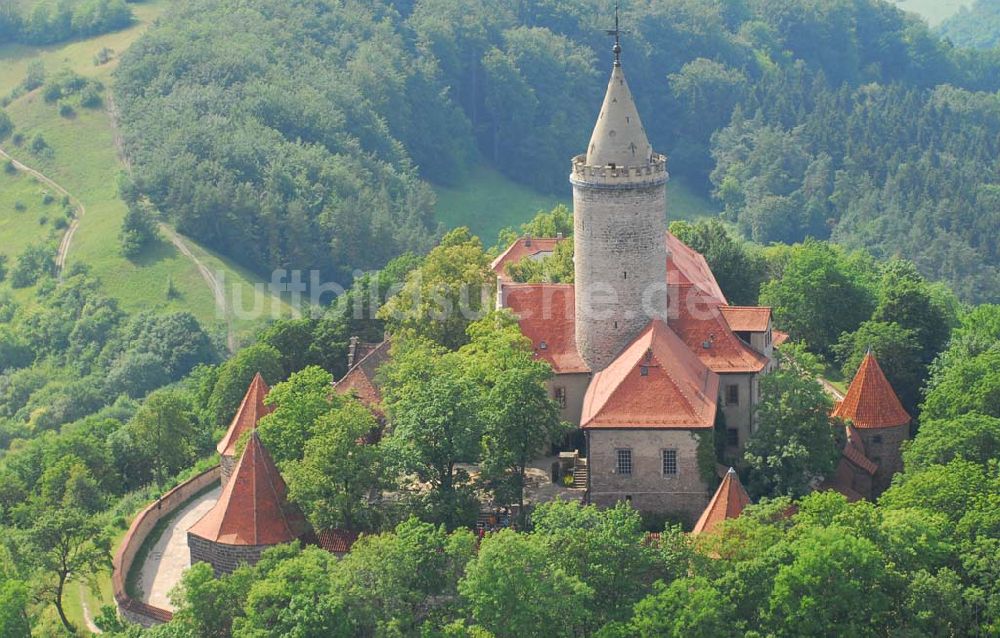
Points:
x=649, y=359
x=647, y=353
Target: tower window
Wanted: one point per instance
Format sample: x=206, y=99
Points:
x=623, y=458
x=732, y=394
x=732, y=437
x=669, y=462
x=877, y=439
x=560, y=397
x=624, y=274
x=644, y=371
x=616, y=325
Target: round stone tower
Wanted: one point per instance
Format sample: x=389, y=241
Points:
x=619, y=209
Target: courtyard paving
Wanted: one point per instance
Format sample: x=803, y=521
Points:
x=169, y=557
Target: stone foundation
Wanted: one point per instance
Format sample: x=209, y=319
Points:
x=887, y=453
x=683, y=495
x=223, y=558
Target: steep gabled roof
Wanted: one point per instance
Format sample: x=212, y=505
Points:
x=747, y=318
x=547, y=317
x=361, y=378
x=854, y=451
x=656, y=382
x=699, y=322
x=524, y=247
x=871, y=402
x=728, y=502
x=686, y=266
x=778, y=337
x=253, y=508
x=619, y=137
x=251, y=410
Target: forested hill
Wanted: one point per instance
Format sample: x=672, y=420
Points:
x=977, y=26
x=302, y=134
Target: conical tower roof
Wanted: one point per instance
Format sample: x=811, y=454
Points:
x=619, y=137
x=253, y=508
x=251, y=410
x=728, y=502
x=871, y=402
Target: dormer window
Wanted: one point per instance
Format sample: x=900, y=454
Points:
x=644, y=371
x=543, y=346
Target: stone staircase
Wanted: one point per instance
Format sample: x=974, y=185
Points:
x=580, y=473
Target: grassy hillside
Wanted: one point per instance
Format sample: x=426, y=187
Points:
x=934, y=11
x=25, y=217
x=488, y=201
x=81, y=155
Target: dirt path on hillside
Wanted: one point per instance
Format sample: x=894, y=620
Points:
x=218, y=291
x=831, y=390
x=87, y=618
x=81, y=210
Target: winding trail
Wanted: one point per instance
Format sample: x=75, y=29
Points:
x=218, y=291
x=87, y=618
x=81, y=210
x=831, y=389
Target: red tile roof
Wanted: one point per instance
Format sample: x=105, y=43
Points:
x=547, y=316
x=687, y=266
x=728, y=502
x=698, y=320
x=778, y=337
x=337, y=541
x=676, y=391
x=747, y=318
x=251, y=410
x=361, y=380
x=871, y=401
x=253, y=508
x=521, y=248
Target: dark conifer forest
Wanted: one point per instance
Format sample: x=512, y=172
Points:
x=304, y=134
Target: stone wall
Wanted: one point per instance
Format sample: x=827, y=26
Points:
x=738, y=416
x=620, y=264
x=882, y=445
x=575, y=389
x=227, y=463
x=135, y=610
x=684, y=495
x=223, y=558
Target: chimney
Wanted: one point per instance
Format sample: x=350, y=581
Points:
x=559, y=235
x=352, y=352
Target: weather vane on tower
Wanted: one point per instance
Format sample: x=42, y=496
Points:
x=617, y=32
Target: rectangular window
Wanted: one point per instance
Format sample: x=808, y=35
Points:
x=624, y=462
x=560, y=397
x=669, y=462
x=732, y=394
x=877, y=439
x=732, y=437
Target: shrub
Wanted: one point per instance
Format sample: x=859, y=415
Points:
x=65, y=110
x=52, y=92
x=9, y=168
x=91, y=98
x=38, y=143
x=35, y=76
x=60, y=223
x=35, y=262
x=17, y=139
x=47, y=198
x=3, y=267
x=44, y=219
x=138, y=231
x=20, y=207
x=6, y=126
